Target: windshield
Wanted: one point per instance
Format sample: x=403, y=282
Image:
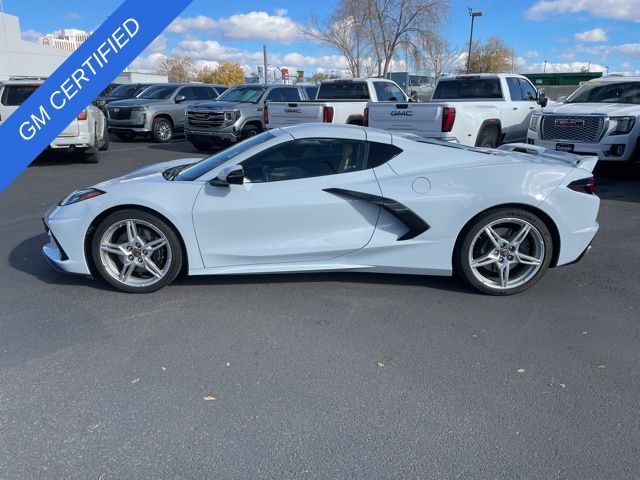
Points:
x=123, y=91
x=607, y=92
x=243, y=94
x=343, y=91
x=158, y=92
x=203, y=166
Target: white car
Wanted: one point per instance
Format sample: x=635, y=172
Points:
x=601, y=118
x=321, y=197
x=87, y=132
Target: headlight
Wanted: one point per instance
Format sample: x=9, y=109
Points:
x=534, y=122
x=622, y=125
x=101, y=103
x=140, y=109
x=231, y=117
x=79, y=196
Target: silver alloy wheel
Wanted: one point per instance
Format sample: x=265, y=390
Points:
x=163, y=130
x=506, y=253
x=135, y=253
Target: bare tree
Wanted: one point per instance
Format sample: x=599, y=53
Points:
x=434, y=54
x=177, y=68
x=492, y=56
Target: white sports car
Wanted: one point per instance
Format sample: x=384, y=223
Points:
x=326, y=197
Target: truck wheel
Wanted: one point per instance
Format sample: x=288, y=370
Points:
x=91, y=153
x=126, y=137
x=162, y=130
x=488, y=138
x=249, y=131
x=105, y=139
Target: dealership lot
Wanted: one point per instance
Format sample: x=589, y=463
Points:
x=314, y=376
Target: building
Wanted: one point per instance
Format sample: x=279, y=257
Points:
x=26, y=59
x=68, y=39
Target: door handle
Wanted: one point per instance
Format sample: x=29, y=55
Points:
x=515, y=108
x=531, y=108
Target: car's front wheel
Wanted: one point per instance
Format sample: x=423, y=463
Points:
x=162, y=130
x=136, y=251
x=505, y=251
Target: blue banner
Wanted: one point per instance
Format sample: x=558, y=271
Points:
x=79, y=80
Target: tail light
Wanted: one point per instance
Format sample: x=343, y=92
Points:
x=448, y=118
x=584, y=185
x=365, y=120
x=327, y=114
x=265, y=114
x=82, y=115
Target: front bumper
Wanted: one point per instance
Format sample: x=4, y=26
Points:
x=607, y=150
x=216, y=136
x=139, y=123
x=65, y=249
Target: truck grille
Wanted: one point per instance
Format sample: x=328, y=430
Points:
x=587, y=129
x=120, y=113
x=205, y=119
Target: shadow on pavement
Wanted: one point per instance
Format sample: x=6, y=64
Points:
x=615, y=182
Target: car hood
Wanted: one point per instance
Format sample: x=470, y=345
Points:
x=150, y=172
x=132, y=102
x=609, y=109
x=220, y=105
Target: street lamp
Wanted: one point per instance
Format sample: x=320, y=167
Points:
x=473, y=15
x=545, y=67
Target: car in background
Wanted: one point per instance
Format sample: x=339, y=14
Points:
x=314, y=198
x=121, y=92
x=86, y=133
x=236, y=115
x=601, y=118
x=158, y=111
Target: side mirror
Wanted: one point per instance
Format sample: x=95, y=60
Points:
x=414, y=96
x=180, y=98
x=561, y=99
x=233, y=175
x=542, y=98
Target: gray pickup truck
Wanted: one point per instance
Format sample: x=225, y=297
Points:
x=157, y=111
x=237, y=114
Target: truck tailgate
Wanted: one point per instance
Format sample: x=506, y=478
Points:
x=419, y=118
x=282, y=114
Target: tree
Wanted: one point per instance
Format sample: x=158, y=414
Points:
x=319, y=77
x=177, y=68
x=227, y=73
x=492, y=56
x=434, y=55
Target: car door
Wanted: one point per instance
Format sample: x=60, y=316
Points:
x=178, y=111
x=523, y=102
x=283, y=212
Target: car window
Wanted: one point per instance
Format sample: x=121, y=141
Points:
x=290, y=94
x=468, y=88
x=15, y=95
x=311, y=92
x=388, y=92
x=529, y=93
x=305, y=158
x=202, y=93
x=187, y=92
x=343, y=90
x=380, y=153
x=123, y=91
x=243, y=93
x=157, y=92
x=514, y=89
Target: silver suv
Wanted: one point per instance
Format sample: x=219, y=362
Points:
x=157, y=111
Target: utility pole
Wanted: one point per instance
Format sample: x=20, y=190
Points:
x=473, y=15
x=264, y=54
x=545, y=67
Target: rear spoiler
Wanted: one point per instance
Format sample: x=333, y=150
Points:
x=587, y=162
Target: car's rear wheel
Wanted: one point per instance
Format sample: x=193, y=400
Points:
x=489, y=137
x=162, y=130
x=505, y=251
x=136, y=252
x=105, y=138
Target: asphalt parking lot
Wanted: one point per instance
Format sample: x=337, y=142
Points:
x=314, y=376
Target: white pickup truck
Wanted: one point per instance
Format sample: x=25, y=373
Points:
x=601, y=118
x=338, y=101
x=482, y=110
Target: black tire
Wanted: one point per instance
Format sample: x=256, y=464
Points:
x=202, y=147
x=162, y=130
x=175, y=257
x=105, y=145
x=126, y=137
x=91, y=154
x=489, y=137
x=250, y=131
x=474, y=237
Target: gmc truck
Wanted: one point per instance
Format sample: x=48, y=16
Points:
x=341, y=101
x=237, y=114
x=481, y=110
x=602, y=118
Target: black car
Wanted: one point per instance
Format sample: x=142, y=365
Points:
x=121, y=92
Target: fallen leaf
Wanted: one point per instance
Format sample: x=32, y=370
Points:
x=562, y=385
x=381, y=365
x=164, y=369
x=208, y=398
x=520, y=370
x=227, y=364
x=135, y=380
x=602, y=366
x=584, y=333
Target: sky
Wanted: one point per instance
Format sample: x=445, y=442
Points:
x=567, y=34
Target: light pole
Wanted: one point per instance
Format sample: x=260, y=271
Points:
x=545, y=67
x=473, y=16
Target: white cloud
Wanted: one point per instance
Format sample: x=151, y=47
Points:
x=158, y=45
x=620, y=9
x=146, y=63
x=594, y=35
x=604, y=51
x=562, y=67
x=532, y=54
x=31, y=35
x=72, y=16
x=243, y=26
